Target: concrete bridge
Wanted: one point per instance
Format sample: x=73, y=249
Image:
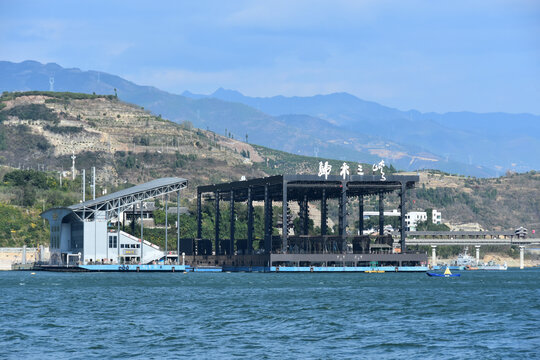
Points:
x=469, y=238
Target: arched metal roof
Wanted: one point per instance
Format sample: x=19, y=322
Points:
x=118, y=201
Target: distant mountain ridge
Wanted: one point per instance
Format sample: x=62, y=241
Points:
x=338, y=126
x=497, y=140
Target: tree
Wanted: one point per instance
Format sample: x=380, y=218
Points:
x=26, y=178
x=297, y=226
x=130, y=162
x=29, y=196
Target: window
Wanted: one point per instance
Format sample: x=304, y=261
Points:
x=113, y=241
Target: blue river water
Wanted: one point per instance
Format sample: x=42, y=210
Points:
x=485, y=315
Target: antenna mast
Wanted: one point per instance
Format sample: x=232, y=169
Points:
x=73, y=157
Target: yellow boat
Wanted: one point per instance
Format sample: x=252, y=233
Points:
x=374, y=271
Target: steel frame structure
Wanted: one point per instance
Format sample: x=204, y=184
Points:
x=117, y=202
x=301, y=188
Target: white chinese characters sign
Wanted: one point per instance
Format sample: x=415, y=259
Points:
x=380, y=166
x=325, y=170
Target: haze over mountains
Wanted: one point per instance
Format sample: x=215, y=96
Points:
x=339, y=125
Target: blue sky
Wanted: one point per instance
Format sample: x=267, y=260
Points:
x=439, y=56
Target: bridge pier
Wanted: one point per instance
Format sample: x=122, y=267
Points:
x=521, y=256
x=433, y=255
x=477, y=254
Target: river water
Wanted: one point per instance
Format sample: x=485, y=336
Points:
x=486, y=315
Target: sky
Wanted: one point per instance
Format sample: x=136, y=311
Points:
x=441, y=56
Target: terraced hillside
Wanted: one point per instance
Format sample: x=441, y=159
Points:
x=127, y=144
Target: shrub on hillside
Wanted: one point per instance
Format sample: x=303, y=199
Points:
x=33, y=112
x=26, y=177
x=63, y=129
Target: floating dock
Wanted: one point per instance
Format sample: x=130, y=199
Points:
x=228, y=269
x=83, y=237
x=362, y=269
x=137, y=268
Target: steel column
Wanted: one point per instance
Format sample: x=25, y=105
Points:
x=305, y=215
x=216, y=223
x=107, y=222
x=343, y=215
x=142, y=237
x=267, y=220
x=166, y=224
x=381, y=214
x=178, y=227
x=324, y=215
x=361, y=215
x=118, y=238
x=133, y=219
x=285, y=228
x=250, y=221
x=232, y=223
x=199, y=215
x=402, y=230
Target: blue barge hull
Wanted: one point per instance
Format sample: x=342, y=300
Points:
x=137, y=268
x=262, y=269
x=324, y=269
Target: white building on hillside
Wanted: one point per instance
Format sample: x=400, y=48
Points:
x=413, y=217
x=436, y=217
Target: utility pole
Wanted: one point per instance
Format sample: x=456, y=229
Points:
x=93, y=183
x=84, y=185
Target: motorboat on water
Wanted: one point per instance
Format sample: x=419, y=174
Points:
x=491, y=265
x=447, y=273
x=466, y=261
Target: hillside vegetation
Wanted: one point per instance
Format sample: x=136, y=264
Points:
x=338, y=126
x=129, y=145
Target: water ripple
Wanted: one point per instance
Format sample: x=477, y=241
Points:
x=269, y=316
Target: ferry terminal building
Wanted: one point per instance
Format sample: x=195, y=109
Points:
x=80, y=233
x=82, y=228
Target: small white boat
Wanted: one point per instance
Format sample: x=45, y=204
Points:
x=491, y=265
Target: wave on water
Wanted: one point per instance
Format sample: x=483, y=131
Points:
x=148, y=315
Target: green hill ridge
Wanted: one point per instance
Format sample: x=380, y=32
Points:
x=129, y=145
